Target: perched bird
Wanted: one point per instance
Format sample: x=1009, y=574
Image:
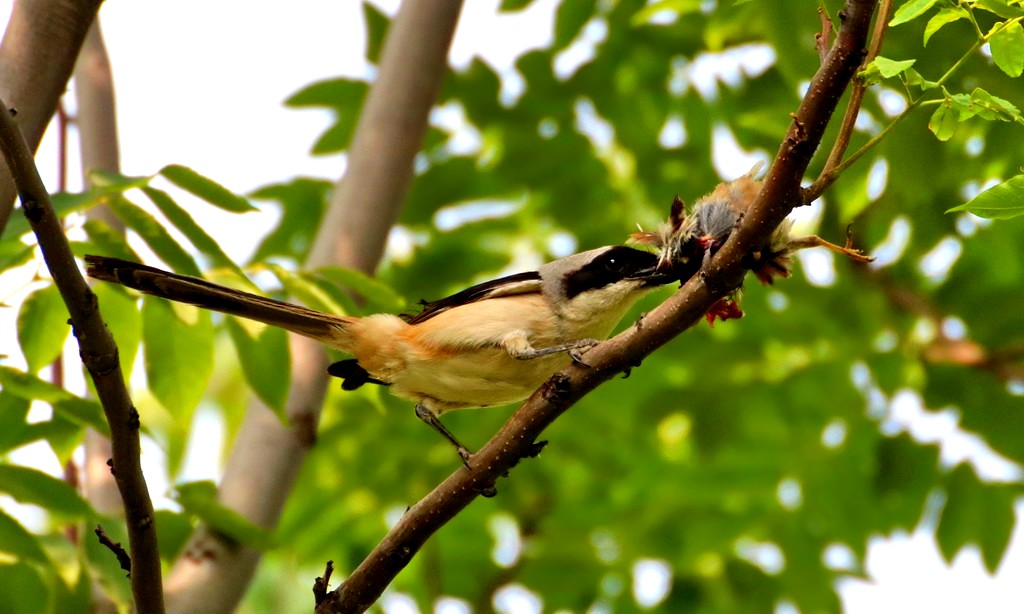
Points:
x=491, y=344
x=694, y=236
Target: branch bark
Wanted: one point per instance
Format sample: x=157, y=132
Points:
x=266, y=457
x=780, y=193
x=37, y=55
x=99, y=353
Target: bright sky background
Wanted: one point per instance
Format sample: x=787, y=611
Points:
x=202, y=84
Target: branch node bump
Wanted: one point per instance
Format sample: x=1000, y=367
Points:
x=557, y=388
x=133, y=419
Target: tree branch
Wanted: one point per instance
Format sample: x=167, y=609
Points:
x=37, y=55
x=1005, y=363
x=780, y=193
x=266, y=457
x=830, y=173
x=99, y=354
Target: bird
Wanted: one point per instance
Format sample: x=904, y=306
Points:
x=491, y=344
x=694, y=236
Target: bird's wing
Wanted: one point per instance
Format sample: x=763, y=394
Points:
x=519, y=283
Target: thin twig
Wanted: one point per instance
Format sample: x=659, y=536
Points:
x=99, y=354
x=821, y=39
x=779, y=195
x=1004, y=362
x=123, y=559
x=827, y=176
x=321, y=584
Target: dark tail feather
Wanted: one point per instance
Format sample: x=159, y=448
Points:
x=327, y=328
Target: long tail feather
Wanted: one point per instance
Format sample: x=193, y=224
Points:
x=323, y=327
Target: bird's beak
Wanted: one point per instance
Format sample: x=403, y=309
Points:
x=656, y=275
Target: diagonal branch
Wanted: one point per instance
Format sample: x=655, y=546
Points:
x=99, y=353
x=516, y=439
x=1005, y=362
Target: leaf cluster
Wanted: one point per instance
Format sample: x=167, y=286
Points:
x=772, y=434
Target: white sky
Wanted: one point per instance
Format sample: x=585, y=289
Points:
x=202, y=84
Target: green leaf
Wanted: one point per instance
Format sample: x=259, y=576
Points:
x=14, y=431
x=910, y=10
x=179, y=354
x=942, y=18
x=42, y=327
x=105, y=240
x=975, y=513
x=14, y=253
x=200, y=499
x=1000, y=7
x=61, y=434
x=887, y=68
x=63, y=204
x=173, y=530
x=28, y=386
x=206, y=189
x=570, y=18
x=993, y=107
x=121, y=314
x=84, y=412
x=310, y=293
x=513, y=5
x=193, y=231
x=376, y=31
x=344, y=96
x=914, y=78
x=1007, y=48
x=34, y=487
x=154, y=234
x=112, y=182
x=1000, y=202
x=25, y=592
x=680, y=7
x=943, y=122
x=302, y=202
x=379, y=296
x=16, y=541
x=266, y=361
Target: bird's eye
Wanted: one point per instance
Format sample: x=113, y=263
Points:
x=614, y=265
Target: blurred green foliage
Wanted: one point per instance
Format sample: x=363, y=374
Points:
x=771, y=434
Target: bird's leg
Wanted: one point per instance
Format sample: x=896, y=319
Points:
x=815, y=241
x=425, y=414
x=518, y=347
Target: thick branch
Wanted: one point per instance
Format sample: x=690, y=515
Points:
x=37, y=55
x=390, y=132
x=266, y=457
x=516, y=440
x=99, y=354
